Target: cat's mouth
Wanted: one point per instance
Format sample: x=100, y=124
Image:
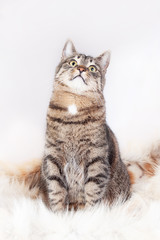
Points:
x=79, y=77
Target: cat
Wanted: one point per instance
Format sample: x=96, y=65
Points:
x=81, y=164
x=29, y=176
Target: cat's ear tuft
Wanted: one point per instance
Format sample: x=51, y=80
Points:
x=104, y=60
x=68, y=50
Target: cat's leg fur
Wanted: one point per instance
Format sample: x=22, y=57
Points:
x=56, y=185
x=96, y=181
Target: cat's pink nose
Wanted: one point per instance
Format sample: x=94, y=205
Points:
x=81, y=68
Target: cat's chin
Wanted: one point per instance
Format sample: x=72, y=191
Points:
x=77, y=85
x=79, y=78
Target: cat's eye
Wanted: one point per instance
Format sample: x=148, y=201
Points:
x=73, y=63
x=92, y=68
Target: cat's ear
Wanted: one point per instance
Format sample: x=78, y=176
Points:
x=68, y=50
x=103, y=60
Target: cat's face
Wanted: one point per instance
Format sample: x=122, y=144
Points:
x=81, y=73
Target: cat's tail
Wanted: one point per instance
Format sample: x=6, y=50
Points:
x=23, y=179
x=144, y=166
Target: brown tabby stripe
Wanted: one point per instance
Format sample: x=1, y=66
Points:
x=97, y=145
x=90, y=195
x=54, y=161
x=94, y=108
x=57, y=107
x=55, y=193
x=55, y=203
x=84, y=140
x=93, y=202
x=98, y=192
x=49, y=143
x=87, y=120
x=57, y=141
x=93, y=144
x=96, y=179
x=62, y=84
x=96, y=201
x=58, y=179
x=94, y=160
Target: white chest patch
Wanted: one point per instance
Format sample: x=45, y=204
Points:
x=72, y=109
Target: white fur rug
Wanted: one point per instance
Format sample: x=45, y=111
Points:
x=26, y=219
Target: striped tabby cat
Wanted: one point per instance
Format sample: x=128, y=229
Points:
x=81, y=164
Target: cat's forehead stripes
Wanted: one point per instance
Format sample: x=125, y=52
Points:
x=83, y=59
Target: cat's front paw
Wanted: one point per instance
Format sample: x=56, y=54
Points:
x=76, y=206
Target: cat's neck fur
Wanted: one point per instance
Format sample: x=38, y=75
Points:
x=64, y=97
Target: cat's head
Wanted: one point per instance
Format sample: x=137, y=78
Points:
x=81, y=73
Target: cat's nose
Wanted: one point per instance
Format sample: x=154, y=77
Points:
x=81, y=68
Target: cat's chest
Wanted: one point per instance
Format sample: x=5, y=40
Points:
x=73, y=171
x=72, y=109
x=74, y=159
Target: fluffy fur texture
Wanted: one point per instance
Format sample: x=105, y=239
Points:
x=138, y=218
x=26, y=175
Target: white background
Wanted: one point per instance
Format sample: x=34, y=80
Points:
x=32, y=35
